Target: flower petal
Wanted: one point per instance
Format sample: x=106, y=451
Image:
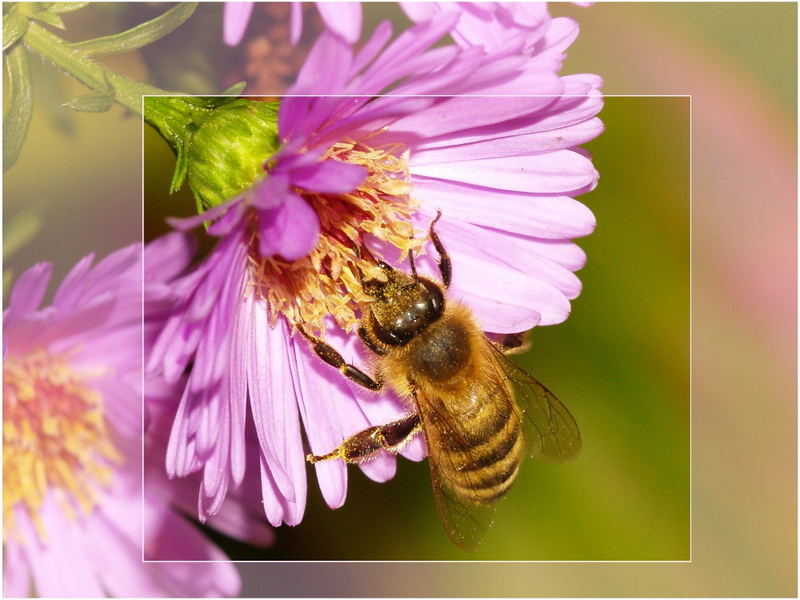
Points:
x=273, y=402
x=329, y=177
x=235, y=17
x=343, y=18
x=28, y=291
x=290, y=230
x=557, y=217
x=557, y=172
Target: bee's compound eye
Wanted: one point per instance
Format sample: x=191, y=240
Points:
x=435, y=299
x=394, y=336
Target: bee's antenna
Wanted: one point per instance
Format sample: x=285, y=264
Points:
x=363, y=252
x=413, y=266
x=411, y=259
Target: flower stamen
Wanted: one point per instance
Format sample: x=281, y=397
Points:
x=326, y=282
x=54, y=437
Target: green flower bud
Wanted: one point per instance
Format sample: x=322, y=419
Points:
x=221, y=144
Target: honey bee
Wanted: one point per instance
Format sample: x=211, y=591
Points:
x=479, y=412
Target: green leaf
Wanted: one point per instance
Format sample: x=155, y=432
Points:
x=91, y=103
x=22, y=229
x=65, y=7
x=48, y=18
x=138, y=36
x=17, y=118
x=14, y=27
x=235, y=89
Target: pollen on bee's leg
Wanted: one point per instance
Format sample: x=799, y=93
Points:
x=327, y=282
x=313, y=458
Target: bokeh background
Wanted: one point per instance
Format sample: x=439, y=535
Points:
x=655, y=309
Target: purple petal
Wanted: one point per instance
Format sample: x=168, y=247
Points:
x=187, y=223
x=420, y=11
x=17, y=574
x=329, y=177
x=552, y=217
x=343, y=18
x=274, y=404
x=378, y=39
x=60, y=568
x=322, y=395
x=168, y=256
x=290, y=231
x=557, y=172
x=513, y=145
x=235, y=17
x=459, y=114
x=296, y=22
x=270, y=192
x=28, y=291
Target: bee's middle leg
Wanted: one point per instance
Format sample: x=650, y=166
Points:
x=390, y=437
x=331, y=356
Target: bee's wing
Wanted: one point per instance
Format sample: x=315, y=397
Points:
x=550, y=429
x=464, y=522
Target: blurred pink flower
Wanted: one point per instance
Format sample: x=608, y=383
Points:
x=363, y=170
x=493, y=24
x=72, y=428
x=342, y=18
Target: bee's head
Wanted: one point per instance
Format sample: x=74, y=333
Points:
x=403, y=305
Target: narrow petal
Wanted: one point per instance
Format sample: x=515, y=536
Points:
x=458, y=114
x=17, y=573
x=321, y=395
x=235, y=17
x=343, y=18
x=168, y=256
x=554, y=173
x=513, y=145
x=290, y=231
x=296, y=22
x=28, y=291
x=556, y=217
x=60, y=568
x=329, y=177
x=273, y=401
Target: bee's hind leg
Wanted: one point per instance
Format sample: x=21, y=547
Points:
x=390, y=437
x=514, y=343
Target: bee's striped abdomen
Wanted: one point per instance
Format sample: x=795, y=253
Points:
x=481, y=459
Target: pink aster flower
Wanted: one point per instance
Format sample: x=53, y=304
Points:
x=72, y=469
x=362, y=171
x=490, y=25
x=342, y=18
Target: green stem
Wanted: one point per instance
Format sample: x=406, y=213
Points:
x=123, y=90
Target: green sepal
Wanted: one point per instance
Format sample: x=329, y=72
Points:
x=48, y=18
x=236, y=89
x=91, y=103
x=17, y=119
x=221, y=143
x=14, y=27
x=64, y=7
x=228, y=151
x=180, y=172
x=139, y=36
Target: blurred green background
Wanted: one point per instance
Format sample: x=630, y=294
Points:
x=621, y=362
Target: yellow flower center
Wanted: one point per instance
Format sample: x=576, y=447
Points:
x=54, y=437
x=326, y=282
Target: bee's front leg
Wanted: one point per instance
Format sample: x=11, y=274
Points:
x=390, y=437
x=327, y=353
